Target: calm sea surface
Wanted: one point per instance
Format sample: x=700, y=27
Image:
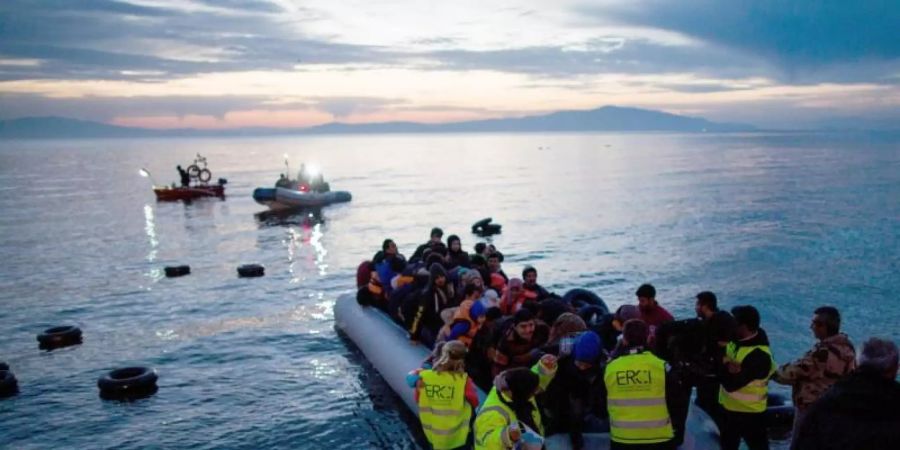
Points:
x=785, y=222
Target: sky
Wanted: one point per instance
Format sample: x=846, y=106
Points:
x=291, y=63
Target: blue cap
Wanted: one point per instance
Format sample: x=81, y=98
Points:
x=587, y=347
x=477, y=310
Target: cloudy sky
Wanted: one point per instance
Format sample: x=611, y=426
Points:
x=229, y=63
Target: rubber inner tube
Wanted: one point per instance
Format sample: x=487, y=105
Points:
x=128, y=382
x=204, y=175
x=177, y=271
x=251, y=270
x=8, y=383
x=4, y=366
x=58, y=337
x=477, y=226
x=580, y=298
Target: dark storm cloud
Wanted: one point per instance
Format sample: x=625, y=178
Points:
x=851, y=40
x=101, y=39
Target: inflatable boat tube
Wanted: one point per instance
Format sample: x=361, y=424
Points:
x=779, y=412
x=128, y=382
x=177, y=271
x=386, y=346
x=251, y=270
x=58, y=337
x=8, y=383
x=582, y=297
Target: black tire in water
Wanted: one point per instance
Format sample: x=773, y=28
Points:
x=582, y=297
x=204, y=175
x=251, y=270
x=128, y=383
x=193, y=171
x=177, y=271
x=58, y=337
x=4, y=366
x=8, y=384
x=477, y=226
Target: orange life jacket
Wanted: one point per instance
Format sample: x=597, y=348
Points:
x=462, y=315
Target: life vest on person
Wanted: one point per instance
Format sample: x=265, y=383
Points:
x=487, y=414
x=375, y=286
x=462, y=315
x=509, y=306
x=403, y=280
x=443, y=410
x=497, y=282
x=636, y=386
x=363, y=273
x=752, y=397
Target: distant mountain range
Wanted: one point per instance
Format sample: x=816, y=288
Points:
x=607, y=118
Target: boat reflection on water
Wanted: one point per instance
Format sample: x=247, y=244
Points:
x=303, y=241
x=307, y=217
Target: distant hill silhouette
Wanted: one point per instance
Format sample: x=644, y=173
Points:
x=607, y=118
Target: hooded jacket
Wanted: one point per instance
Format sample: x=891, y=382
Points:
x=860, y=412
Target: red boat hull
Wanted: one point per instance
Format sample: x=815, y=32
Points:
x=188, y=193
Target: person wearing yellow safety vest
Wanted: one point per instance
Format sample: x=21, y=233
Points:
x=747, y=367
x=446, y=397
x=639, y=392
x=509, y=416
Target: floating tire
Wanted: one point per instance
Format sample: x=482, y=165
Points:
x=4, y=366
x=477, y=226
x=778, y=414
x=204, y=175
x=128, y=383
x=58, y=337
x=193, y=170
x=177, y=271
x=251, y=271
x=8, y=383
x=582, y=297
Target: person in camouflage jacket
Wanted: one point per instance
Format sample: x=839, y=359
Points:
x=832, y=358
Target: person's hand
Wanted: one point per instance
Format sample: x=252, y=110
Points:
x=549, y=361
x=514, y=433
x=733, y=367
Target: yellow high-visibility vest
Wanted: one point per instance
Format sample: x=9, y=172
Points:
x=752, y=397
x=636, y=386
x=443, y=409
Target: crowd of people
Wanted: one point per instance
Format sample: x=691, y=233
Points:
x=306, y=181
x=551, y=366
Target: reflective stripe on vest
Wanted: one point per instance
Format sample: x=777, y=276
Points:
x=443, y=409
x=752, y=397
x=636, y=384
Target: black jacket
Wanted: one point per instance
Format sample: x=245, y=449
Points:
x=860, y=412
x=755, y=365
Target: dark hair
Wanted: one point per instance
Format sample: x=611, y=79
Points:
x=523, y=384
x=434, y=258
x=746, y=315
x=397, y=264
x=478, y=260
x=709, y=300
x=831, y=318
x=437, y=232
x=646, y=290
x=493, y=313
x=635, y=332
x=527, y=270
x=387, y=243
x=495, y=255
x=522, y=315
x=472, y=288
x=452, y=238
x=439, y=248
x=479, y=247
x=721, y=326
